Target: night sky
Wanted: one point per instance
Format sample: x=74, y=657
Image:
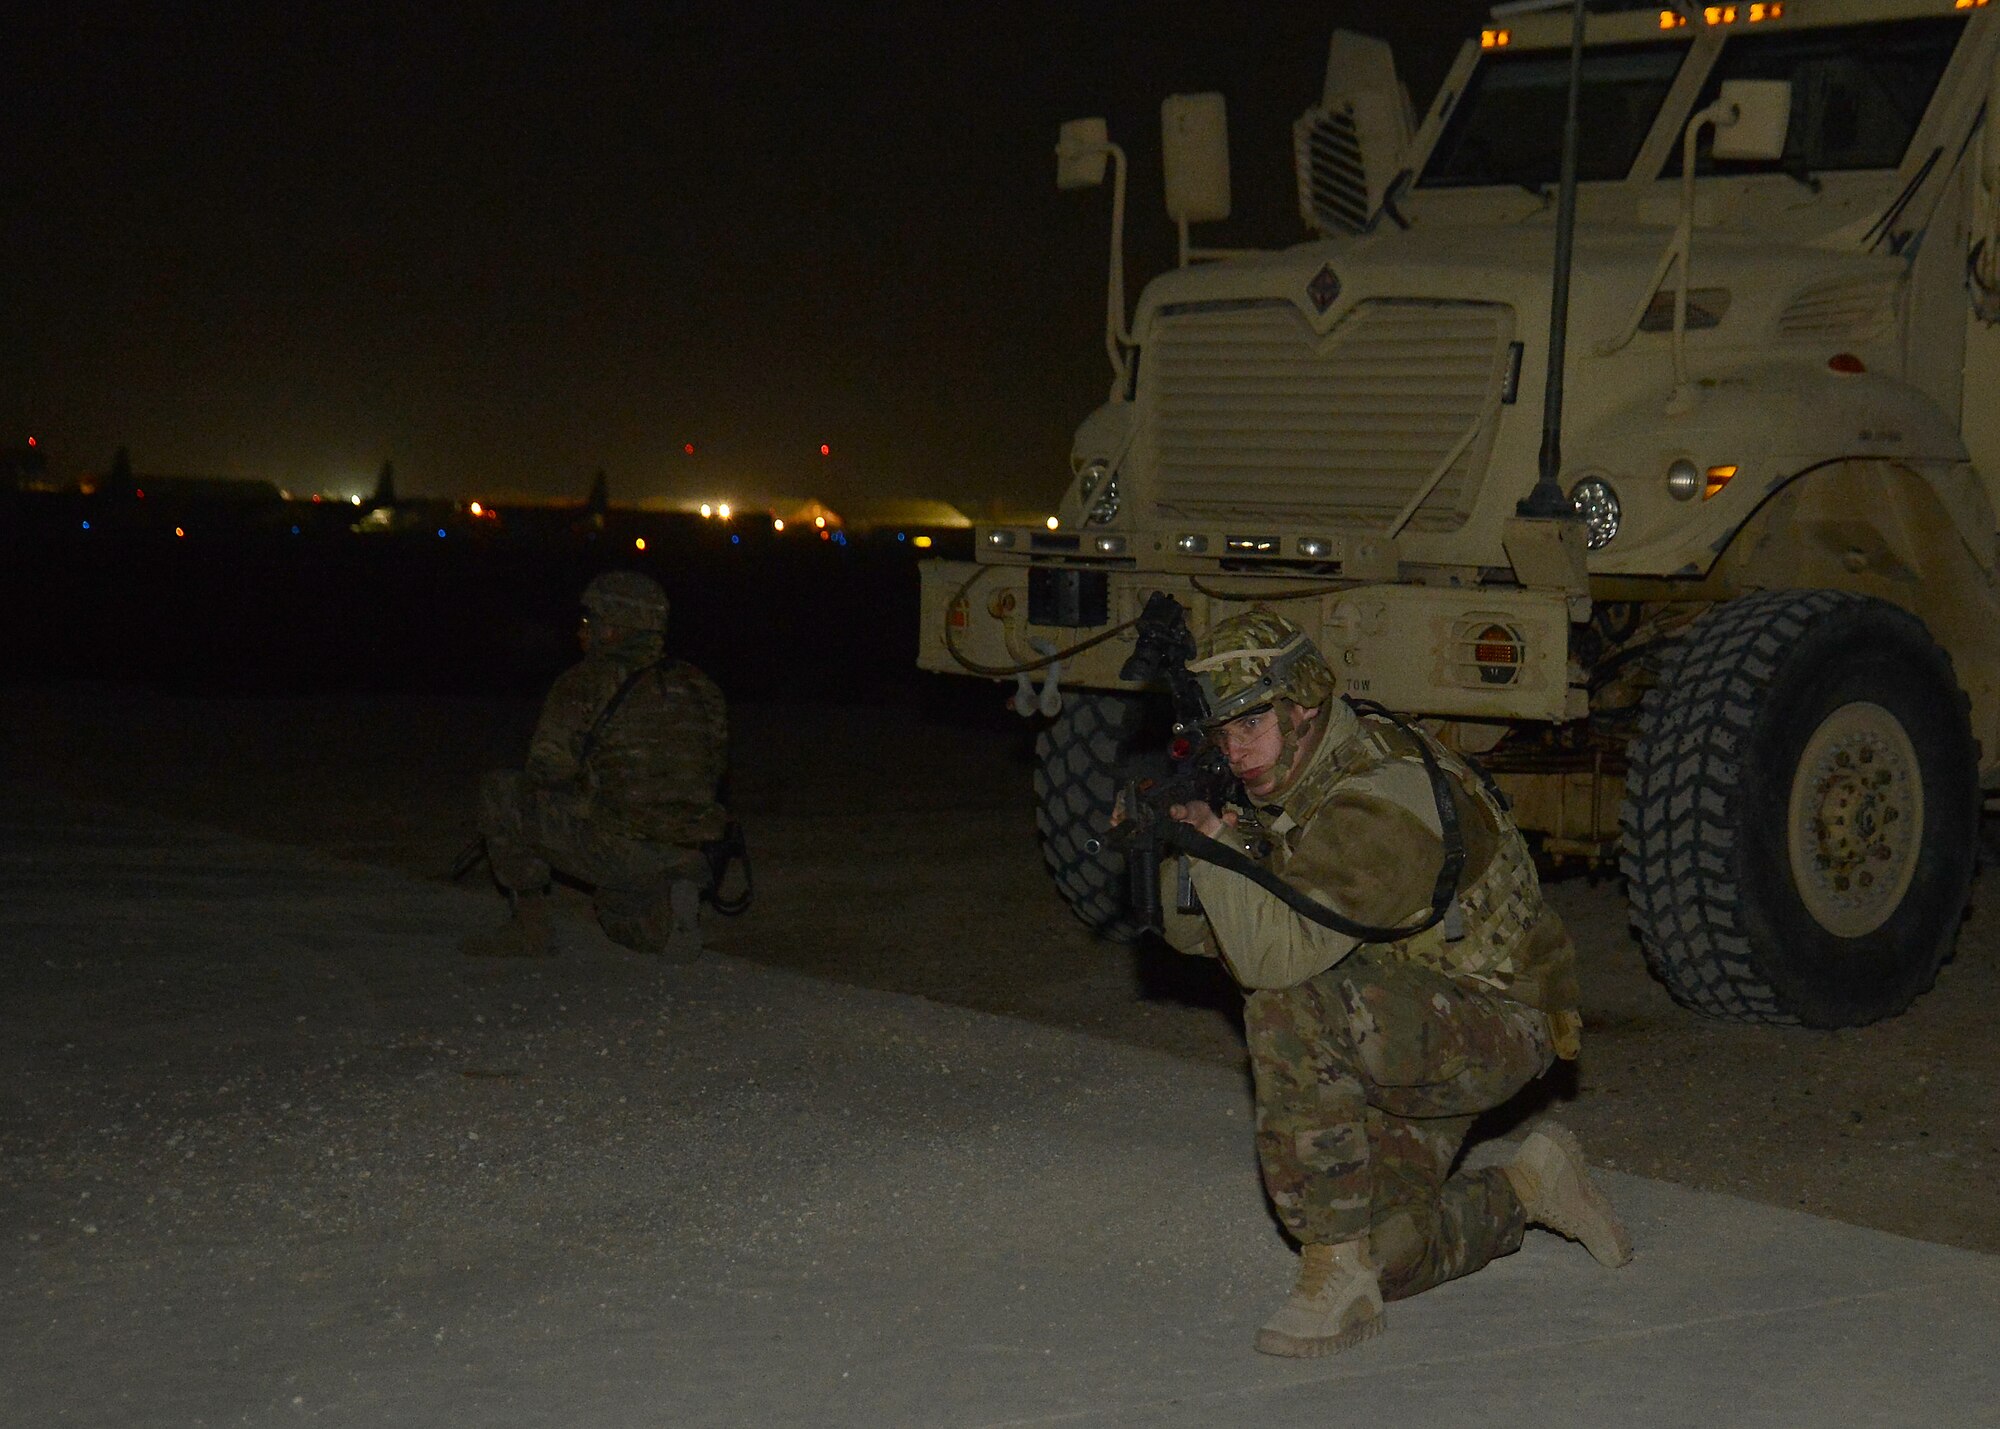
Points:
x=510, y=245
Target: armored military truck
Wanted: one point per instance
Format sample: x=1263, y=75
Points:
x=1756, y=661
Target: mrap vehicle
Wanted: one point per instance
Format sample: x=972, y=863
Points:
x=1751, y=649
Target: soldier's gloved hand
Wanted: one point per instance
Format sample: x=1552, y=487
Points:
x=1203, y=820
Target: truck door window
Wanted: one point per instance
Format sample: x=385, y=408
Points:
x=1858, y=92
x=1508, y=125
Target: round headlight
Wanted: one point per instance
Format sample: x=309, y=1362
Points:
x=1597, y=504
x=1087, y=480
x=1105, y=508
x=1683, y=480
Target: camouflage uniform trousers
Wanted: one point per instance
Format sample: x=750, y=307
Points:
x=531, y=830
x=1368, y=1078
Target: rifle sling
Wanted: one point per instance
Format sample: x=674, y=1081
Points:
x=1185, y=840
x=611, y=708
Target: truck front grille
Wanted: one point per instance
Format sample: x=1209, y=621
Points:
x=1253, y=415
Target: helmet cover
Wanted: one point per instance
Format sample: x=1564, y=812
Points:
x=628, y=600
x=1250, y=660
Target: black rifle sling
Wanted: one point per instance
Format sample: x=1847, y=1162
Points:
x=1208, y=850
x=611, y=707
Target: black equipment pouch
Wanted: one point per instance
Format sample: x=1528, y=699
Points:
x=720, y=854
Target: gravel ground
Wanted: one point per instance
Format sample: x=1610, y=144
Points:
x=874, y=829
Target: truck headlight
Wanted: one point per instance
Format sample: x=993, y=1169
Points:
x=1597, y=504
x=1104, y=509
x=1090, y=478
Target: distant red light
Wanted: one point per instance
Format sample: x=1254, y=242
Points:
x=140, y=492
x=32, y=442
x=688, y=448
x=825, y=450
x=1846, y=362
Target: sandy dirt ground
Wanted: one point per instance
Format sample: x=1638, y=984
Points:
x=873, y=829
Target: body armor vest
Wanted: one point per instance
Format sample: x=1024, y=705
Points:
x=1499, y=933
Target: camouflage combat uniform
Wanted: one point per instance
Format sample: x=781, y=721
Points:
x=1372, y=1060
x=620, y=786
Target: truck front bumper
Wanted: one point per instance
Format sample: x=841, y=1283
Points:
x=1471, y=652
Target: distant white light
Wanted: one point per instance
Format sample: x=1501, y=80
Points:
x=1053, y=523
x=354, y=500
x=706, y=511
x=777, y=523
x=639, y=544
x=477, y=509
x=723, y=510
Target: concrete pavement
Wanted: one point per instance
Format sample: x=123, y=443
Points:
x=271, y=1152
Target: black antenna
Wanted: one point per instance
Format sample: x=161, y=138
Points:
x=1546, y=500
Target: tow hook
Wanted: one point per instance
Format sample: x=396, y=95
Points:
x=1025, y=702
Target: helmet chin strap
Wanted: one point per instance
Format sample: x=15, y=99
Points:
x=1292, y=741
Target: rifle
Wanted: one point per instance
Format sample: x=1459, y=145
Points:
x=1195, y=770
x=468, y=858
x=1190, y=769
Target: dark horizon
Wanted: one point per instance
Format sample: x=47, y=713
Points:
x=504, y=252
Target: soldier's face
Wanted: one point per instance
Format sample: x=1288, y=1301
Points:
x=1254, y=745
x=1265, y=747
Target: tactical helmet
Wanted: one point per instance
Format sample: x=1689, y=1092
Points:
x=1252, y=659
x=627, y=600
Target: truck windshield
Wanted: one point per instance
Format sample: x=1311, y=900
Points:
x=1858, y=92
x=1507, y=127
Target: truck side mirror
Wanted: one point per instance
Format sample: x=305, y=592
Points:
x=1194, y=134
x=1082, y=146
x=1763, y=110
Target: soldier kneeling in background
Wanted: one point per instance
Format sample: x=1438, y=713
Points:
x=620, y=787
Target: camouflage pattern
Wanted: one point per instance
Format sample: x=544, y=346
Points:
x=621, y=800
x=1368, y=1078
x=532, y=830
x=1371, y=1060
x=1254, y=659
x=628, y=600
x=1501, y=934
x=651, y=769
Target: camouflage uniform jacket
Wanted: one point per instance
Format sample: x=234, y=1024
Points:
x=1358, y=830
x=652, y=768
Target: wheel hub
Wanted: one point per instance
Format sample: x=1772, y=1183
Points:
x=1856, y=819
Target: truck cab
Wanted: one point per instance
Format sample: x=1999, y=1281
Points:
x=1777, y=381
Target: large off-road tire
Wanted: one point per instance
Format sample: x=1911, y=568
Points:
x=1801, y=811
x=1078, y=759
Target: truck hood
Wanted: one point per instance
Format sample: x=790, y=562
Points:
x=1508, y=263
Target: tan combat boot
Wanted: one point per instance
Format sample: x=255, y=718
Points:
x=1554, y=1187
x=525, y=935
x=1336, y=1303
